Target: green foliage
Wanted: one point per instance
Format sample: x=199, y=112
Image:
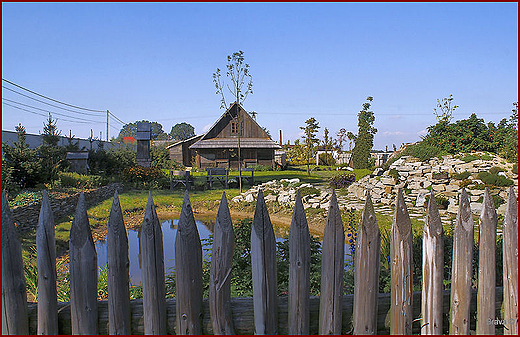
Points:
x=495, y=170
x=72, y=179
x=364, y=140
x=26, y=198
x=50, y=135
x=469, y=158
x=264, y=168
x=181, y=131
x=494, y=179
x=21, y=166
x=145, y=177
x=342, y=180
x=102, y=291
x=326, y=159
x=422, y=151
x=461, y=176
x=515, y=168
x=446, y=109
x=160, y=157
x=52, y=161
x=130, y=130
x=394, y=174
x=237, y=71
x=308, y=191
x=310, y=140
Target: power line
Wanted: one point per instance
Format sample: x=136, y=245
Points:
x=52, y=112
x=120, y=121
x=55, y=106
x=36, y=113
x=51, y=99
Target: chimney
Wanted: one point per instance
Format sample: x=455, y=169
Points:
x=281, y=143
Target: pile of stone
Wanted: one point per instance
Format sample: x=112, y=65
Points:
x=283, y=192
x=417, y=178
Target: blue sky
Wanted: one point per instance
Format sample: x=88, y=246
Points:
x=155, y=62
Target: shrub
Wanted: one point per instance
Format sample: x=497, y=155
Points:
x=468, y=158
x=465, y=183
x=515, y=168
x=495, y=170
x=342, y=180
x=259, y=167
x=394, y=174
x=308, y=191
x=145, y=177
x=422, y=151
x=494, y=179
x=326, y=159
x=72, y=179
x=26, y=198
x=461, y=176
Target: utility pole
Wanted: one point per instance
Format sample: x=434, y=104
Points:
x=107, y=124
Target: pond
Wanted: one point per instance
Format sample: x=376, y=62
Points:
x=169, y=230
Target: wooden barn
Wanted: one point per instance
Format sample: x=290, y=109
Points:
x=219, y=146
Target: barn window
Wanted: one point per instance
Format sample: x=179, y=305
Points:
x=234, y=127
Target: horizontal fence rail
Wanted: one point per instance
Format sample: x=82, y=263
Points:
x=432, y=311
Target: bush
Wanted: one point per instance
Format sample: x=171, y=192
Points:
x=326, y=159
x=26, y=198
x=72, y=179
x=342, y=180
x=468, y=158
x=495, y=170
x=494, y=179
x=515, y=168
x=308, y=191
x=422, y=151
x=259, y=167
x=394, y=174
x=461, y=176
x=145, y=177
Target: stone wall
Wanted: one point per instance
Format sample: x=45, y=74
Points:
x=418, y=178
x=26, y=217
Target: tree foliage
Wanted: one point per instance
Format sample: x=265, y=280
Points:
x=341, y=138
x=21, y=167
x=364, y=140
x=238, y=74
x=181, y=131
x=130, y=130
x=51, y=135
x=310, y=139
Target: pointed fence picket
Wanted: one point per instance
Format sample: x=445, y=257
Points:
x=83, y=274
x=432, y=271
x=263, y=267
x=332, y=266
x=401, y=269
x=510, y=262
x=188, y=273
x=462, y=268
x=366, y=272
x=46, y=262
x=365, y=312
x=299, y=271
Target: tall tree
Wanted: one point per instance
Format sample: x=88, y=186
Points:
x=130, y=130
x=310, y=140
x=364, y=140
x=51, y=135
x=21, y=166
x=181, y=131
x=238, y=73
x=342, y=137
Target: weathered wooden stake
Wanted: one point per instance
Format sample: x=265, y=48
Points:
x=220, y=273
x=119, y=319
x=510, y=256
x=14, y=296
x=462, y=268
x=401, y=269
x=83, y=274
x=366, y=272
x=152, y=258
x=332, y=266
x=263, y=263
x=46, y=261
x=487, y=265
x=432, y=271
x=188, y=272
x=299, y=271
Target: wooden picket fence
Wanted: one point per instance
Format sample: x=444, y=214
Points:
x=364, y=312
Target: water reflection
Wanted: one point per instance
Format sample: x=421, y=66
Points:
x=169, y=229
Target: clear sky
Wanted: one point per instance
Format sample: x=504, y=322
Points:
x=155, y=61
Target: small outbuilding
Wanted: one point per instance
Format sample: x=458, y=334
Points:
x=219, y=146
x=78, y=161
